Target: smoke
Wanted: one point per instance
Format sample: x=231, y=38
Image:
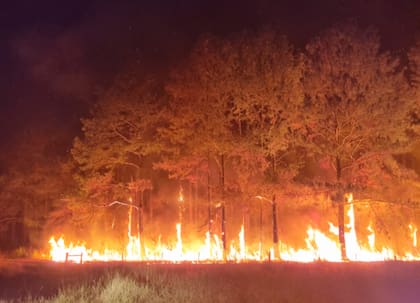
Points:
x=57, y=64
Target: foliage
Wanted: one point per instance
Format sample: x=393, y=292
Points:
x=358, y=102
x=414, y=69
x=113, y=156
x=357, y=109
x=238, y=99
x=31, y=189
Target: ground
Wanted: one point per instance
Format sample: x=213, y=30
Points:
x=251, y=282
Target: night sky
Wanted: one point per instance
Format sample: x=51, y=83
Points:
x=57, y=56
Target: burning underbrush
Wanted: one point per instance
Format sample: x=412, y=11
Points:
x=307, y=237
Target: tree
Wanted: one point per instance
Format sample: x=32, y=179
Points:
x=266, y=97
x=114, y=157
x=32, y=187
x=235, y=104
x=199, y=131
x=246, y=90
x=357, y=107
x=414, y=68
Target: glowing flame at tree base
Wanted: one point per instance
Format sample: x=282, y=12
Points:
x=319, y=247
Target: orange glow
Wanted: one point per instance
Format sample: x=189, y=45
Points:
x=181, y=195
x=318, y=246
x=413, y=230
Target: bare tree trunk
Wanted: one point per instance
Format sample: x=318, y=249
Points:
x=273, y=167
x=150, y=204
x=275, y=228
x=190, y=202
x=13, y=234
x=209, y=195
x=140, y=206
x=340, y=201
x=195, y=203
x=222, y=184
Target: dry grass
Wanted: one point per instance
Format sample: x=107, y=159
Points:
x=282, y=282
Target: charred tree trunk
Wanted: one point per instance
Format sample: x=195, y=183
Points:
x=340, y=213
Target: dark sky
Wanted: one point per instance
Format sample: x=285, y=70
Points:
x=55, y=56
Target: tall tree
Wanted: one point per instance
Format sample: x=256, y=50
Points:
x=116, y=151
x=266, y=96
x=199, y=130
x=199, y=125
x=32, y=187
x=235, y=102
x=357, y=107
x=414, y=68
x=246, y=91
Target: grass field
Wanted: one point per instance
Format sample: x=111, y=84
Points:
x=43, y=281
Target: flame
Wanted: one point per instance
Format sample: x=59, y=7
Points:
x=242, y=246
x=318, y=246
x=413, y=230
x=181, y=195
x=371, y=237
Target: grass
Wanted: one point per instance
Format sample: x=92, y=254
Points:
x=282, y=282
x=137, y=286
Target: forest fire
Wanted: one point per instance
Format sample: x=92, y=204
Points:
x=320, y=246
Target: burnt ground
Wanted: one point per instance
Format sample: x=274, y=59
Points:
x=314, y=282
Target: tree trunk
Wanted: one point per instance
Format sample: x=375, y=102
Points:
x=190, y=202
x=222, y=177
x=140, y=212
x=222, y=185
x=195, y=203
x=209, y=214
x=224, y=230
x=209, y=195
x=273, y=168
x=340, y=201
x=148, y=198
x=275, y=228
x=276, y=251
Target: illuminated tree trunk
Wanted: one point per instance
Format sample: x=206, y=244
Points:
x=275, y=228
x=190, y=202
x=140, y=212
x=198, y=208
x=195, y=202
x=224, y=230
x=209, y=195
x=261, y=229
x=273, y=168
x=148, y=198
x=340, y=201
x=222, y=184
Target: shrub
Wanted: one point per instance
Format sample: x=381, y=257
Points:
x=123, y=289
